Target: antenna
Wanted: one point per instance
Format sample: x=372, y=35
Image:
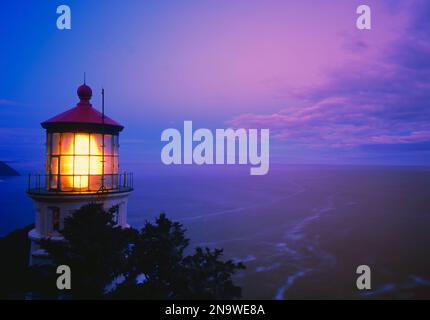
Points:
x=103, y=107
x=102, y=187
x=85, y=78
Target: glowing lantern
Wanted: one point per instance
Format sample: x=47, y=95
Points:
x=82, y=149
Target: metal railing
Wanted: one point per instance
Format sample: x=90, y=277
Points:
x=45, y=184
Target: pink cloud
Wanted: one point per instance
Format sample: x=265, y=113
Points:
x=379, y=99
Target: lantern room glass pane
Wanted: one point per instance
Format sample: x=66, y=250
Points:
x=108, y=181
x=108, y=165
x=114, y=181
x=96, y=165
x=53, y=184
x=108, y=144
x=96, y=144
x=95, y=182
x=82, y=144
x=115, y=145
x=66, y=165
x=56, y=143
x=48, y=143
x=66, y=183
x=54, y=165
x=67, y=142
x=81, y=165
x=115, y=165
x=80, y=182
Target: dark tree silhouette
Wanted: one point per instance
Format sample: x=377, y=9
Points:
x=209, y=278
x=149, y=264
x=94, y=248
x=14, y=274
x=158, y=258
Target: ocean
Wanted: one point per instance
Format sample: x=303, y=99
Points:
x=301, y=230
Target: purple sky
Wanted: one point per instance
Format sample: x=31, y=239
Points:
x=329, y=92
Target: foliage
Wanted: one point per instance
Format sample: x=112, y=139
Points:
x=158, y=258
x=14, y=274
x=95, y=249
x=108, y=261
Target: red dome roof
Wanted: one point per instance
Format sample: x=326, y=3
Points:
x=83, y=113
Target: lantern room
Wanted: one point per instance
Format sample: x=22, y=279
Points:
x=81, y=161
x=82, y=150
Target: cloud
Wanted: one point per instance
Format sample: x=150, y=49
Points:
x=377, y=99
x=6, y=102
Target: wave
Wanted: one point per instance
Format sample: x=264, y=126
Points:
x=240, y=209
x=412, y=282
x=280, y=294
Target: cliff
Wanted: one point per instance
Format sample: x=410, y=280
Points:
x=6, y=170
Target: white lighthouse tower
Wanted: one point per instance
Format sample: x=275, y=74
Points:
x=82, y=166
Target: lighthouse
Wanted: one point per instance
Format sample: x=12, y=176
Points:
x=82, y=166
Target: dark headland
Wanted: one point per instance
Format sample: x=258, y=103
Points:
x=6, y=170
